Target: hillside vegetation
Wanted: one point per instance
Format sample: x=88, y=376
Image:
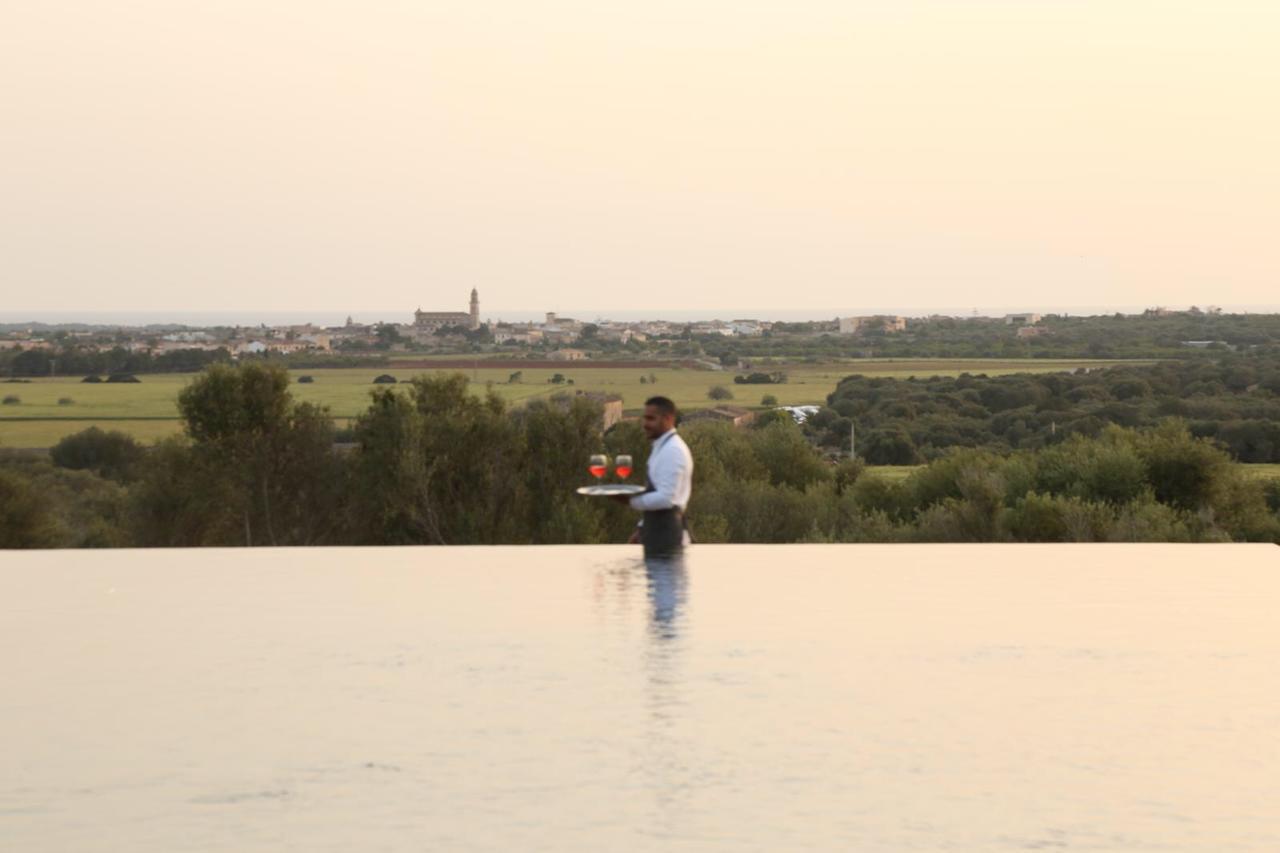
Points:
x=432, y=463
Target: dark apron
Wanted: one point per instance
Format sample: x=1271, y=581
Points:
x=663, y=530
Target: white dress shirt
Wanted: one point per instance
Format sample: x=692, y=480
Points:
x=670, y=473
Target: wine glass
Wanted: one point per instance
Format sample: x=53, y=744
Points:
x=598, y=465
x=622, y=466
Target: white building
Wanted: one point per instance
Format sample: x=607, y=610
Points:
x=801, y=413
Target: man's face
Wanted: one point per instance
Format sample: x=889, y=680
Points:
x=655, y=422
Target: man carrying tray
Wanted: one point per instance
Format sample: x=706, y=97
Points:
x=669, y=483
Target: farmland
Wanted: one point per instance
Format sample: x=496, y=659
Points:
x=148, y=409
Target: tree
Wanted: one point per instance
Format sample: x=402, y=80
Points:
x=32, y=362
x=388, y=334
x=768, y=400
x=440, y=466
x=719, y=392
x=255, y=454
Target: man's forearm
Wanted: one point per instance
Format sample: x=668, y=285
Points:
x=649, y=501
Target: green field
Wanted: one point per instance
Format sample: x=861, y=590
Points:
x=893, y=472
x=148, y=409
x=1262, y=471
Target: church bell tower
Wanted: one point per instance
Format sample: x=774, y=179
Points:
x=475, y=309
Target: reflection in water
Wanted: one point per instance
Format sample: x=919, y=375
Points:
x=668, y=586
x=666, y=764
x=665, y=747
x=578, y=698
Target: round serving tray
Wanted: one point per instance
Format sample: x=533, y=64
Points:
x=610, y=489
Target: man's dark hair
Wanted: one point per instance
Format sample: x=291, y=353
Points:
x=662, y=404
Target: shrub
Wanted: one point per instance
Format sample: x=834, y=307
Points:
x=384, y=379
x=757, y=511
x=1113, y=474
x=761, y=379
x=768, y=400
x=123, y=377
x=890, y=446
x=709, y=528
x=787, y=455
x=65, y=401
x=27, y=519
x=112, y=455
x=1054, y=518
x=1127, y=389
x=12, y=400
x=722, y=453
x=875, y=494
x=773, y=416
x=1148, y=521
x=719, y=392
x=1185, y=472
x=955, y=521
x=1240, y=510
x=874, y=526
x=306, y=380
x=944, y=478
x=847, y=473
x=1271, y=490
x=92, y=378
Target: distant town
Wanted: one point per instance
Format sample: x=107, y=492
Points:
x=555, y=337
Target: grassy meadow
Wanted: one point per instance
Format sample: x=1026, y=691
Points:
x=148, y=409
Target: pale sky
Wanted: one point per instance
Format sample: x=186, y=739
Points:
x=697, y=154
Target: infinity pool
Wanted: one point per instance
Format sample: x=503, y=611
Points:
x=780, y=698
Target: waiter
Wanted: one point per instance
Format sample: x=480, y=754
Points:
x=670, y=482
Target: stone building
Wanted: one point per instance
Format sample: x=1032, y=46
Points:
x=610, y=405
x=735, y=415
x=431, y=321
